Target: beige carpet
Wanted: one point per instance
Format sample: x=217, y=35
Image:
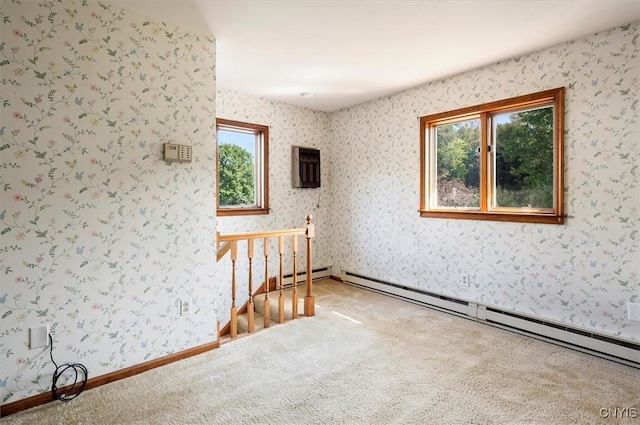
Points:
x=365, y=359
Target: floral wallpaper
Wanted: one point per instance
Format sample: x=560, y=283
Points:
x=288, y=126
x=101, y=238
x=582, y=273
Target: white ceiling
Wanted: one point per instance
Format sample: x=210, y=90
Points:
x=348, y=52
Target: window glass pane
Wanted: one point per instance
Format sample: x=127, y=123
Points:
x=523, y=161
x=458, y=164
x=237, y=169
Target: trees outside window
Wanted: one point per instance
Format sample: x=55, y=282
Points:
x=237, y=175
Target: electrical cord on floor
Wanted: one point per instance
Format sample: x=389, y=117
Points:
x=60, y=370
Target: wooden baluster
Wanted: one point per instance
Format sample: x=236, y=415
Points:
x=250, y=306
x=267, y=308
x=234, y=309
x=281, y=278
x=309, y=301
x=294, y=296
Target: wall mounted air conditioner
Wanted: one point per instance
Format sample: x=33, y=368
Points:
x=305, y=167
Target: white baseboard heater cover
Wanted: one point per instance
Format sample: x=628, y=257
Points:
x=619, y=350
x=317, y=273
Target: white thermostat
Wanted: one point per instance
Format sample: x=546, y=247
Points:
x=179, y=153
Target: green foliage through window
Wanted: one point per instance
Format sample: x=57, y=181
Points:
x=458, y=165
x=524, y=159
x=237, y=176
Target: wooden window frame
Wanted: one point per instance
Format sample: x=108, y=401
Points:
x=555, y=215
x=262, y=187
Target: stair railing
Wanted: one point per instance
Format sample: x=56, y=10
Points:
x=229, y=243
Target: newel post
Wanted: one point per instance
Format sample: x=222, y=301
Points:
x=309, y=301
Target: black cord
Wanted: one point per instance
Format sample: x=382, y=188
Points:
x=60, y=370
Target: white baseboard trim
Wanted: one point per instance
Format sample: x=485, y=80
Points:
x=605, y=346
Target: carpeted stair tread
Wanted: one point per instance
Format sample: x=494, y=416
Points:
x=273, y=305
x=258, y=300
x=243, y=322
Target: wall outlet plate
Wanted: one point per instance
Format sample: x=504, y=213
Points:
x=185, y=307
x=633, y=311
x=39, y=336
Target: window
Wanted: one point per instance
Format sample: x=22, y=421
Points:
x=243, y=168
x=499, y=161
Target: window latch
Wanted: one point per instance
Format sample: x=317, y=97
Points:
x=488, y=149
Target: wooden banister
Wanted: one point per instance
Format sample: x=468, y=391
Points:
x=250, y=305
x=267, y=307
x=309, y=300
x=259, y=235
x=222, y=248
x=229, y=243
x=294, y=296
x=234, y=309
x=281, y=278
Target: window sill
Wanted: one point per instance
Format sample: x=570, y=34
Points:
x=221, y=212
x=494, y=216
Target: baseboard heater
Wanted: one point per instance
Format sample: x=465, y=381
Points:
x=619, y=350
x=318, y=273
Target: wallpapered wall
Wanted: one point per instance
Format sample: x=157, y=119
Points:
x=288, y=126
x=581, y=273
x=100, y=237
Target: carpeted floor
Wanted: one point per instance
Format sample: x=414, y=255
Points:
x=365, y=359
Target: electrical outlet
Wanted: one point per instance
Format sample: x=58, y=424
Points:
x=185, y=307
x=39, y=336
x=633, y=311
x=465, y=280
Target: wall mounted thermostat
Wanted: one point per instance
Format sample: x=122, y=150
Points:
x=178, y=153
